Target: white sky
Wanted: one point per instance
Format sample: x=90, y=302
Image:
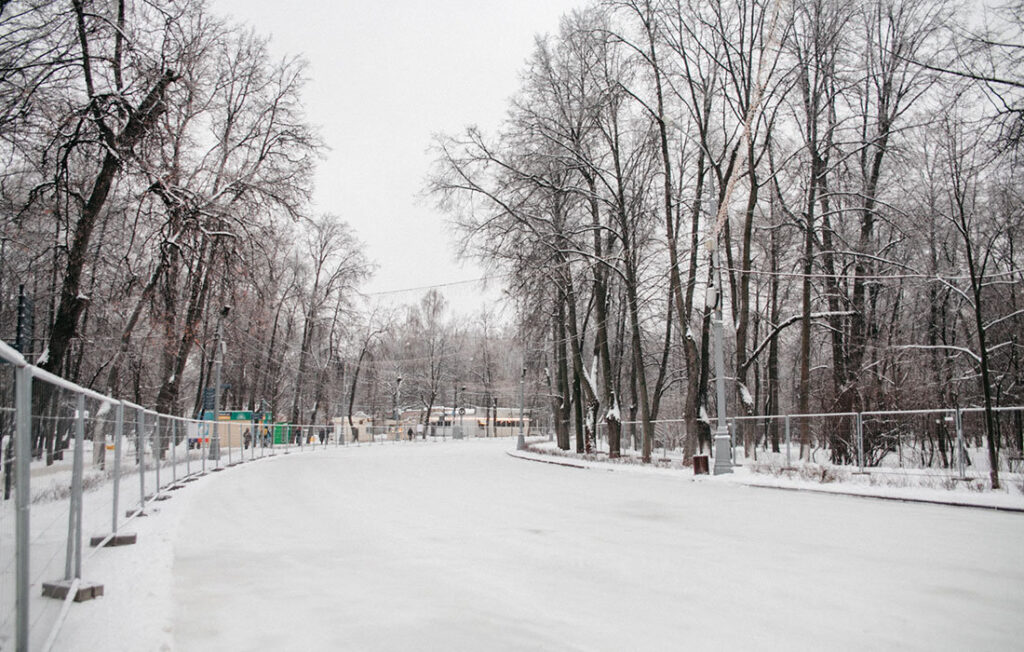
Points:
x=385, y=77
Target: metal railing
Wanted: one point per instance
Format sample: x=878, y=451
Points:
x=77, y=461
x=949, y=441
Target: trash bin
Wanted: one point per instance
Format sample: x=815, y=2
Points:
x=700, y=464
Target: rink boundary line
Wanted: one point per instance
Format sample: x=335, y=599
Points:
x=901, y=499
x=586, y=465
x=536, y=457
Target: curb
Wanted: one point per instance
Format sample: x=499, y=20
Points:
x=530, y=458
x=900, y=499
x=535, y=457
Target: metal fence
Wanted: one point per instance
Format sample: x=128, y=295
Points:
x=950, y=441
x=74, y=462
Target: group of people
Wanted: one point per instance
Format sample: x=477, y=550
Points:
x=247, y=438
x=318, y=436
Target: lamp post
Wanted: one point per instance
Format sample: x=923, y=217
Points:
x=494, y=416
x=722, y=446
x=455, y=408
x=462, y=411
x=397, y=407
x=214, y=452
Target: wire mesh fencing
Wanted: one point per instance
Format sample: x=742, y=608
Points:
x=77, y=468
x=948, y=442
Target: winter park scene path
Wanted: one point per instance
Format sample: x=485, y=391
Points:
x=459, y=546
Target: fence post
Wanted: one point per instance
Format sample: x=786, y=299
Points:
x=960, y=445
x=188, y=454
x=76, y=484
x=140, y=449
x=788, y=462
x=22, y=460
x=174, y=452
x=118, y=433
x=204, y=434
x=731, y=429
x=860, y=441
x=72, y=587
x=75, y=479
x=157, y=452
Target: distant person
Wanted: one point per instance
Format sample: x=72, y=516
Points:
x=246, y=439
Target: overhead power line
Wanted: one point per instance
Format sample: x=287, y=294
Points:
x=436, y=286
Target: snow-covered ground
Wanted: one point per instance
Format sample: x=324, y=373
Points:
x=923, y=485
x=460, y=546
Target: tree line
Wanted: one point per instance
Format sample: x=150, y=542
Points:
x=855, y=166
x=157, y=169
x=155, y=191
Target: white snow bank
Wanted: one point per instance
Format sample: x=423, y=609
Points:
x=890, y=485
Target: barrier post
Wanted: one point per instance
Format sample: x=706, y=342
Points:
x=22, y=461
x=960, y=445
x=76, y=485
x=140, y=450
x=118, y=433
x=788, y=462
x=174, y=452
x=157, y=451
x=860, y=441
x=72, y=587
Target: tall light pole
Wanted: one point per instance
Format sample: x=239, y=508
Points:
x=521, y=441
x=722, y=445
x=462, y=411
x=398, y=405
x=218, y=363
x=493, y=414
x=455, y=409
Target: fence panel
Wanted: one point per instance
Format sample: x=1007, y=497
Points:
x=1008, y=424
x=944, y=442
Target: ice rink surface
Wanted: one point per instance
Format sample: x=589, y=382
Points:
x=457, y=546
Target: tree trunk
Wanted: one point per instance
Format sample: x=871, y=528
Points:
x=71, y=304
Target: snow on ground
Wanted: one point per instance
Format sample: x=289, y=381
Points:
x=897, y=484
x=460, y=546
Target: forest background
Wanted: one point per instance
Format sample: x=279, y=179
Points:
x=856, y=167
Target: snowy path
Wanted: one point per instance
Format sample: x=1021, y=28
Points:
x=459, y=547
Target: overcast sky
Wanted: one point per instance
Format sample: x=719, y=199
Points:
x=384, y=77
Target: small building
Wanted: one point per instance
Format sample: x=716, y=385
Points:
x=466, y=421
x=361, y=428
x=232, y=427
